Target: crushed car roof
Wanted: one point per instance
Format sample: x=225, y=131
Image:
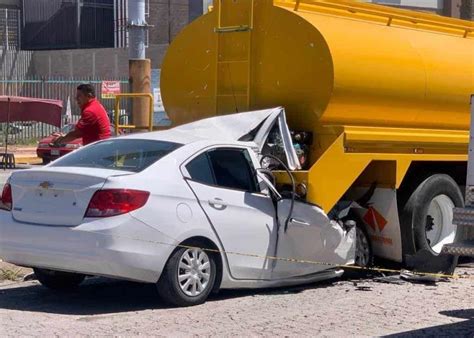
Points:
x=225, y=128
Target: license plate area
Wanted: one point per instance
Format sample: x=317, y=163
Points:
x=55, y=152
x=49, y=194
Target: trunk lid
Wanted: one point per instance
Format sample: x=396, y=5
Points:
x=56, y=196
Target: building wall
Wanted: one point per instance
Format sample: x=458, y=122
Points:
x=10, y=3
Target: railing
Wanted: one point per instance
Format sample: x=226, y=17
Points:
x=60, y=89
x=117, y=123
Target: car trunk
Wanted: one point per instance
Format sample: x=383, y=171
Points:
x=56, y=196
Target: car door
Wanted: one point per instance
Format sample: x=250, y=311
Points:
x=225, y=183
x=310, y=236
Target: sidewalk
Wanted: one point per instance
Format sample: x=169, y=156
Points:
x=24, y=154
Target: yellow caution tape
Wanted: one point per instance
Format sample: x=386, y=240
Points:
x=296, y=260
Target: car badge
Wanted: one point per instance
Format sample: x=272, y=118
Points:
x=46, y=185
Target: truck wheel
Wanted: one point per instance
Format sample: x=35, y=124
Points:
x=188, y=278
x=429, y=212
x=58, y=280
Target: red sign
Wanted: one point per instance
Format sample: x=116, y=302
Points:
x=375, y=220
x=110, y=89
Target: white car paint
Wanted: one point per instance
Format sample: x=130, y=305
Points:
x=47, y=227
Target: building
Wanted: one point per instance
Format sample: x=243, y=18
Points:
x=10, y=24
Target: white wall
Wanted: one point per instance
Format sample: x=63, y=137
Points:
x=428, y=4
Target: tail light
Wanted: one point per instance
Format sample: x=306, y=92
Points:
x=7, y=199
x=113, y=202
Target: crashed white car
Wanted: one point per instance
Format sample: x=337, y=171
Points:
x=188, y=208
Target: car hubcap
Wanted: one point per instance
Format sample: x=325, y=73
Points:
x=439, y=228
x=362, y=249
x=194, y=272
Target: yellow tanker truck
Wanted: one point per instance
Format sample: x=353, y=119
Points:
x=383, y=93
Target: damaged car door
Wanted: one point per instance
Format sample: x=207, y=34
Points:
x=224, y=181
x=310, y=236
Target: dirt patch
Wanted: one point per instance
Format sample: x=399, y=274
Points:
x=10, y=272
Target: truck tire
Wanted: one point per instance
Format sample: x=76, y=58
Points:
x=428, y=213
x=58, y=280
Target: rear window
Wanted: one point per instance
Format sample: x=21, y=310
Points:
x=118, y=154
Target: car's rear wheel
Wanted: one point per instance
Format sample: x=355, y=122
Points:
x=46, y=161
x=188, y=277
x=58, y=280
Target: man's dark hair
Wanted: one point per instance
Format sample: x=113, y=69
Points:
x=87, y=89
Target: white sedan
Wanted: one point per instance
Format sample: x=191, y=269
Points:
x=189, y=209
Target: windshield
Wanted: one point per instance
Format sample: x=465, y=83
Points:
x=118, y=154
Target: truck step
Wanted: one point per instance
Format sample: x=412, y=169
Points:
x=459, y=249
x=464, y=216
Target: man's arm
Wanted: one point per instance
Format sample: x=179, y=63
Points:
x=72, y=135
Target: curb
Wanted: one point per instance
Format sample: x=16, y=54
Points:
x=27, y=160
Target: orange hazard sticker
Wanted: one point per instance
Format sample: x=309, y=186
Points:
x=374, y=219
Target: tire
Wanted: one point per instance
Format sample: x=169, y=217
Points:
x=46, y=161
x=364, y=254
x=428, y=213
x=58, y=280
x=187, y=292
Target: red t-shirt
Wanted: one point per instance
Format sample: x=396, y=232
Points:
x=94, y=123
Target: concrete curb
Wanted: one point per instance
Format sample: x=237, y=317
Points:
x=28, y=160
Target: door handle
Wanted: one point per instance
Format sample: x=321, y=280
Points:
x=299, y=222
x=218, y=204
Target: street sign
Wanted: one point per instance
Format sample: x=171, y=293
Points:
x=110, y=89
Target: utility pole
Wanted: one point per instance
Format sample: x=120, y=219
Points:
x=78, y=23
x=139, y=66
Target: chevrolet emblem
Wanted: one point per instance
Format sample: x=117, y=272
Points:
x=46, y=185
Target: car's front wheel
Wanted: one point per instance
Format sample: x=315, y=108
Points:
x=58, y=280
x=188, y=277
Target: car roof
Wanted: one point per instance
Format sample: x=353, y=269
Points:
x=181, y=137
x=228, y=129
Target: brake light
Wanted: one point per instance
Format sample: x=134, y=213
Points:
x=7, y=199
x=113, y=202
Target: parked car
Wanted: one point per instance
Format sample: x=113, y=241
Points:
x=48, y=153
x=190, y=209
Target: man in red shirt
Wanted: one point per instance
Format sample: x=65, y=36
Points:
x=94, y=124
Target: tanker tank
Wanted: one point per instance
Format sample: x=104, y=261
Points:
x=327, y=62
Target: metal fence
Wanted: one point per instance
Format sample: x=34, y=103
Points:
x=59, y=89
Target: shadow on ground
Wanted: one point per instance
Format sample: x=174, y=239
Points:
x=105, y=296
x=461, y=329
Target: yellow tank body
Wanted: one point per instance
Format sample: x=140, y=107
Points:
x=373, y=83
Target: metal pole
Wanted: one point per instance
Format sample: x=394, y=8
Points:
x=6, y=135
x=78, y=23
x=6, y=29
x=137, y=28
x=139, y=67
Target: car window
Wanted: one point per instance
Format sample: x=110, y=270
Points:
x=200, y=170
x=232, y=169
x=118, y=154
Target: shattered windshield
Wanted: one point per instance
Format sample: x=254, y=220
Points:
x=274, y=146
